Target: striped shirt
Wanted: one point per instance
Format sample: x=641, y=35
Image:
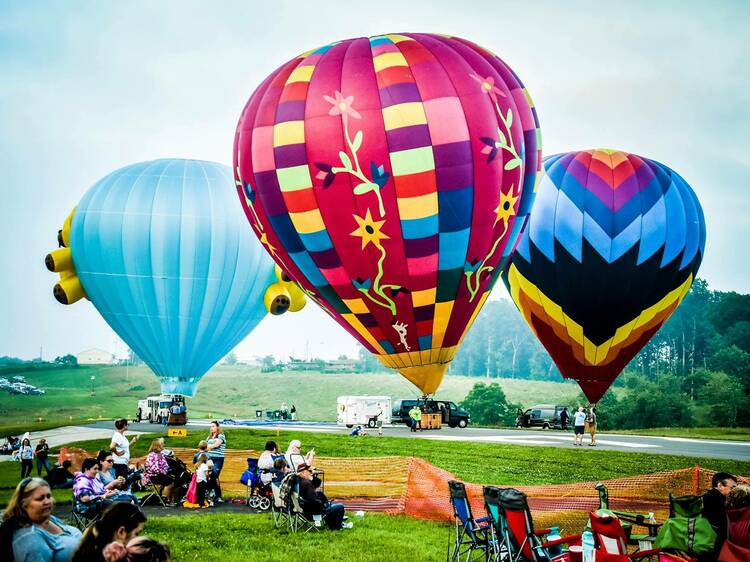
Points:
x=218, y=451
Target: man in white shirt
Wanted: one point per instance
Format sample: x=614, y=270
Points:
x=578, y=426
x=120, y=447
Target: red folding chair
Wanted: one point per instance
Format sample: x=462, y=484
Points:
x=525, y=543
x=610, y=541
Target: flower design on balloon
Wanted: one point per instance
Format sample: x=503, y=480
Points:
x=370, y=231
x=475, y=269
x=504, y=140
x=341, y=105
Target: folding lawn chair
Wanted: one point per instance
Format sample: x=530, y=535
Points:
x=525, y=543
x=154, y=491
x=686, y=530
x=627, y=520
x=610, y=541
x=472, y=535
x=279, y=509
x=297, y=515
x=85, y=514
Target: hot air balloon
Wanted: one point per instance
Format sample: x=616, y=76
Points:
x=162, y=251
x=390, y=176
x=612, y=245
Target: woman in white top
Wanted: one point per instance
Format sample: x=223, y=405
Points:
x=294, y=456
x=120, y=447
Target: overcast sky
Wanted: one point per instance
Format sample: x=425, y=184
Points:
x=88, y=87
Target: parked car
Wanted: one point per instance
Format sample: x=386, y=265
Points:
x=546, y=416
x=452, y=415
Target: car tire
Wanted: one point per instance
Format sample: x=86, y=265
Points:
x=462, y=423
x=371, y=423
x=349, y=425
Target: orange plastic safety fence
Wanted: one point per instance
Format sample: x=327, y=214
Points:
x=417, y=488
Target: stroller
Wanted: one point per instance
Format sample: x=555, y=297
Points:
x=182, y=476
x=259, y=495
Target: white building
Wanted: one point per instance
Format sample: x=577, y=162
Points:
x=95, y=357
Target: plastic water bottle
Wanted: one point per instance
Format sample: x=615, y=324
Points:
x=554, y=534
x=587, y=542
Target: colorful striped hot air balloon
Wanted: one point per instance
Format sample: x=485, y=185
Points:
x=390, y=176
x=612, y=245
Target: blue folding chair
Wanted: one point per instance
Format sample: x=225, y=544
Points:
x=472, y=535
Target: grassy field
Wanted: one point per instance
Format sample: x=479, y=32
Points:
x=726, y=433
x=229, y=392
x=253, y=537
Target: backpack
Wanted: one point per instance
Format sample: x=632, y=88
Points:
x=686, y=529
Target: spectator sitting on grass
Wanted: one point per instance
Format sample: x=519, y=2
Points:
x=29, y=530
x=106, y=476
x=139, y=549
x=60, y=476
x=280, y=469
x=294, y=455
x=120, y=523
x=357, y=431
x=312, y=504
x=157, y=469
x=737, y=546
x=87, y=489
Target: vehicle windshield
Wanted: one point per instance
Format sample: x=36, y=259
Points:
x=164, y=404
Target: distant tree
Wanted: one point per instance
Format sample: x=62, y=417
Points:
x=730, y=308
x=67, y=360
x=5, y=360
x=723, y=397
x=231, y=358
x=647, y=403
x=488, y=405
x=739, y=335
x=734, y=361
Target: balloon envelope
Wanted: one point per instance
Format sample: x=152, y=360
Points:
x=612, y=245
x=390, y=176
x=164, y=255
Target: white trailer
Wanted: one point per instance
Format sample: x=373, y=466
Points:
x=363, y=410
x=155, y=409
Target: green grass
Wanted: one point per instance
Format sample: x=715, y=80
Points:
x=252, y=537
x=228, y=392
x=724, y=433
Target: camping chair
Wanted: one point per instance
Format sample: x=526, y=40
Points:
x=499, y=549
x=297, y=516
x=154, y=490
x=279, y=509
x=85, y=514
x=610, y=541
x=627, y=520
x=686, y=530
x=525, y=543
x=471, y=534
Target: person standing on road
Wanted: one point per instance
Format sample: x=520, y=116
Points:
x=564, y=419
x=591, y=426
x=379, y=420
x=216, y=445
x=120, y=447
x=579, y=424
x=416, y=416
x=293, y=412
x=41, y=453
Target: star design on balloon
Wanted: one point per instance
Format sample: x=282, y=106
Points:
x=506, y=208
x=369, y=230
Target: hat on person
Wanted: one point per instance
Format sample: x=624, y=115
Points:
x=295, y=443
x=303, y=466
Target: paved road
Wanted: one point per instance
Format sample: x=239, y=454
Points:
x=738, y=450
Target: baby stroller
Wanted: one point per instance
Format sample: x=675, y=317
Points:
x=259, y=495
x=182, y=477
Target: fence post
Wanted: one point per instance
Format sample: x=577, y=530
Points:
x=696, y=474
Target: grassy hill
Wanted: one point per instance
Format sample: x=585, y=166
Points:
x=234, y=392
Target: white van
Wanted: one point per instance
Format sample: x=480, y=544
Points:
x=363, y=410
x=156, y=409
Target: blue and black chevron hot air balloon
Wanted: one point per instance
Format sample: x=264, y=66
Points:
x=612, y=245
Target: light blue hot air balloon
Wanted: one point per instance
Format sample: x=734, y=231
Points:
x=164, y=253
